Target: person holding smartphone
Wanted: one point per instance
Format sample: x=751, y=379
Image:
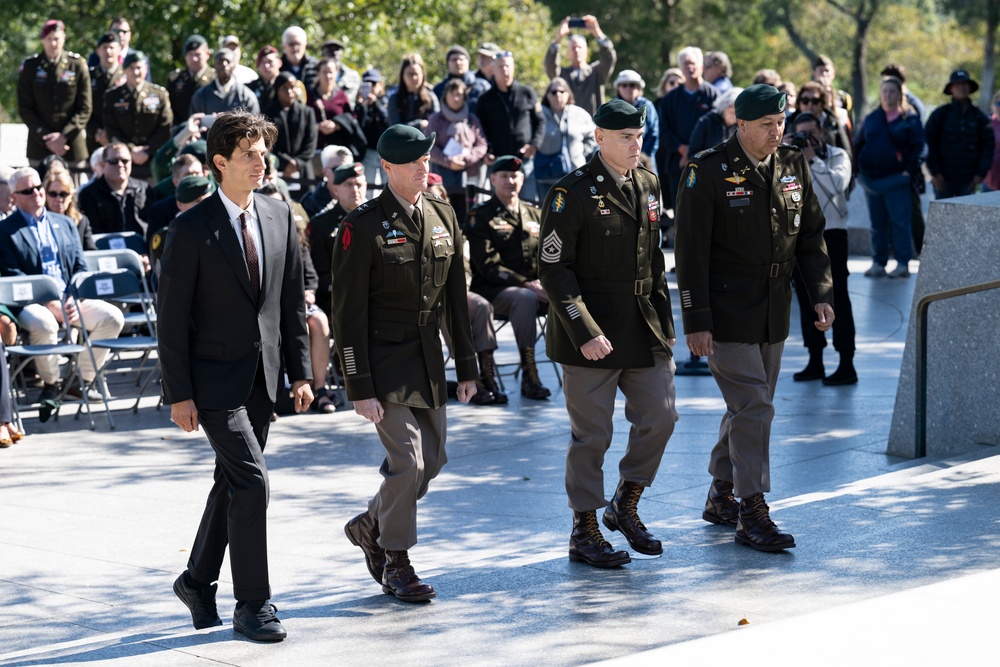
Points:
x=586, y=80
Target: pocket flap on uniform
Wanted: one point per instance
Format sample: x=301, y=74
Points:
x=399, y=254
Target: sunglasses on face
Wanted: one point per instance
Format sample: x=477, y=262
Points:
x=503, y=54
x=61, y=195
x=27, y=192
x=628, y=85
x=809, y=100
x=122, y=161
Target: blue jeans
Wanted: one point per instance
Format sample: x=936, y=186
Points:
x=890, y=206
x=529, y=191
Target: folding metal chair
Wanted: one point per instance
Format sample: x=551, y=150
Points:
x=20, y=291
x=120, y=241
x=542, y=318
x=111, y=260
x=112, y=286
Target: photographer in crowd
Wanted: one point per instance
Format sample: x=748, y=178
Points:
x=830, y=168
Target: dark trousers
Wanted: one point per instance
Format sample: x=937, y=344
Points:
x=843, y=323
x=236, y=512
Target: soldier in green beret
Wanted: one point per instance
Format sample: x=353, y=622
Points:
x=503, y=247
x=184, y=81
x=746, y=213
x=397, y=269
x=53, y=99
x=138, y=114
x=105, y=75
x=603, y=271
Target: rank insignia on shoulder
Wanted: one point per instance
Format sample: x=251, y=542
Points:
x=558, y=202
x=551, y=248
x=578, y=173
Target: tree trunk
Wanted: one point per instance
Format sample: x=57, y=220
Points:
x=859, y=77
x=989, y=56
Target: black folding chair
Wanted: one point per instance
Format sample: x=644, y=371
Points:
x=120, y=241
x=111, y=260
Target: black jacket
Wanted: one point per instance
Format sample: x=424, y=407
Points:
x=296, y=137
x=511, y=120
x=107, y=215
x=959, y=143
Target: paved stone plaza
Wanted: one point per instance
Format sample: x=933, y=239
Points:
x=897, y=558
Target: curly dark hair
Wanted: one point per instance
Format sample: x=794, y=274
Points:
x=230, y=128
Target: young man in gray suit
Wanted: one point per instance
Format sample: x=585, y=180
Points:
x=231, y=309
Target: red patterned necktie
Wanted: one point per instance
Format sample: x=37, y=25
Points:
x=253, y=266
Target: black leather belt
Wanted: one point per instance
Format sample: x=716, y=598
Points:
x=641, y=287
x=776, y=270
x=418, y=317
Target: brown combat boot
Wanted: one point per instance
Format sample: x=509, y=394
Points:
x=488, y=377
x=621, y=515
x=721, y=506
x=531, y=385
x=400, y=580
x=362, y=531
x=755, y=528
x=587, y=543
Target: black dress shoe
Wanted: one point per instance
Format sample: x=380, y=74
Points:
x=812, y=371
x=400, y=580
x=755, y=528
x=257, y=621
x=721, y=506
x=843, y=375
x=363, y=532
x=587, y=543
x=200, y=601
x=621, y=515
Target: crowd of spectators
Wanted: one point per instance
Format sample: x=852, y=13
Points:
x=109, y=148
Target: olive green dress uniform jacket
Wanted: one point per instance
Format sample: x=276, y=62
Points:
x=55, y=97
x=182, y=85
x=503, y=246
x=392, y=282
x=603, y=270
x=138, y=118
x=101, y=81
x=737, y=239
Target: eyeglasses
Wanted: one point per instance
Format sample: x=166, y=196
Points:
x=809, y=100
x=123, y=161
x=61, y=195
x=27, y=192
x=503, y=54
x=629, y=85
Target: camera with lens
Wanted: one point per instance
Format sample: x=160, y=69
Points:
x=801, y=140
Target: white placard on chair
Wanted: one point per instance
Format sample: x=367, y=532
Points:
x=107, y=263
x=104, y=286
x=23, y=292
x=116, y=243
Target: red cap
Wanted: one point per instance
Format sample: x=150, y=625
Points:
x=434, y=179
x=51, y=26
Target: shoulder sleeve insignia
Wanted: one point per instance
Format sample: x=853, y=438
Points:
x=559, y=203
x=692, y=176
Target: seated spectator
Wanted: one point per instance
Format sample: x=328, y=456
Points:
x=672, y=77
x=347, y=79
x=243, y=74
x=96, y=167
x=8, y=334
x=116, y=202
x=296, y=142
x=318, y=200
x=34, y=241
x=585, y=80
x=6, y=199
x=295, y=58
x=373, y=116
x=60, y=198
x=503, y=250
x=190, y=160
x=268, y=67
x=347, y=188
x=458, y=68
x=629, y=86
x=226, y=93
x=569, y=136
x=718, y=71
x=718, y=125
x=459, y=146
x=138, y=114
x=197, y=73
x=328, y=100
x=164, y=210
x=413, y=101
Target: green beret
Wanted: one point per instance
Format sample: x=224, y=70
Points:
x=402, y=144
x=506, y=163
x=346, y=171
x=759, y=100
x=620, y=115
x=133, y=57
x=198, y=148
x=192, y=187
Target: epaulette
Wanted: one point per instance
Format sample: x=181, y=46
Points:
x=529, y=204
x=174, y=75
x=364, y=207
x=434, y=197
x=71, y=54
x=574, y=176
x=154, y=86
x=708, y=151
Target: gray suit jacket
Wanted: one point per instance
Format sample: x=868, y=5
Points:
x=211, y=330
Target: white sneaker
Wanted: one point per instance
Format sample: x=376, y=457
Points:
x=875, y=271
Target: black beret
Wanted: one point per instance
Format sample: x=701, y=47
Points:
x=346, y=171
x=192, y=187
x=133, y=57
x=193, y=42
x=759, y=100
x=506, y=163
x=109, y=38
x=402, y=144
x=619, y=115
